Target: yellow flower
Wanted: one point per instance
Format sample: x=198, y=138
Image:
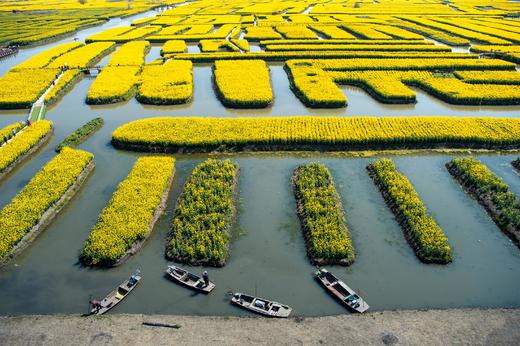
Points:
x=127, y=217
x=44, y=189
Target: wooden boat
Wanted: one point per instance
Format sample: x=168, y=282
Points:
x=188, y=279
x=117, y=295
x=341, y=291
x=261, y=306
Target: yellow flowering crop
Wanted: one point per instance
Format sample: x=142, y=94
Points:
x=356, y=47
x=502, y=205
x=174, y=46
x=458, y=31
x=40, y=194
x=23, y=142
x=336, y=133
x=21, y=88
x=114, y=84
x=332, y=32
x=216, y=45
x=130, y=54
x=365, y=31
x=315, y=88
x=296, y=31
x=128, y=216
x=203, y=219
x=424, y=235
x=321, y=216
x=489, y=77
x=169, y=83
x=367, y=56
x=435, y=34
x=7, y=132
x=509, y=53
x=243, y=83
x=406, y=64
x=124, y=34
x=44, y=58
x=67, y=79
x=119, y=79
x=256, y=33
x=84, y=56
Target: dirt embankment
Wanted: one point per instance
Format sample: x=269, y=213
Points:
x=435, y=327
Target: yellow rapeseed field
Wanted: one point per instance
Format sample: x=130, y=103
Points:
x=127, y=217
x=333, y=132
x=243, y=83
x=42, y=191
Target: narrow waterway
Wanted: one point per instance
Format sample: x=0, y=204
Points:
x=268, y=256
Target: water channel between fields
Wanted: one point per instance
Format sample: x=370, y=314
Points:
x=268, y=255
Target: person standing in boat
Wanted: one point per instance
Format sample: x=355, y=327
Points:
x=96, y=304
x=205, y=276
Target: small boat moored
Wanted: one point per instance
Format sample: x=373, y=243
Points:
x=341, y=291
x=261, y=306
x=193, y=281
x=116, y=296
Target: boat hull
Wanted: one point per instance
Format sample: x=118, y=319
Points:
x=171, y=272
x=337, y=289
x=274, y=309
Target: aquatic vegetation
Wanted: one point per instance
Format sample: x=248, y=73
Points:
x=166, y=84
x=327, y=133
x=42, y=193
x=491, y=192
x=129, y=217
x=24, y=141
x=81, y=134
x=204, y=215
x=243, y=84
x=321, y=216
x=422, y=232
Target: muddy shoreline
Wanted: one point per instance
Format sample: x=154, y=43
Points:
x=414, y=327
